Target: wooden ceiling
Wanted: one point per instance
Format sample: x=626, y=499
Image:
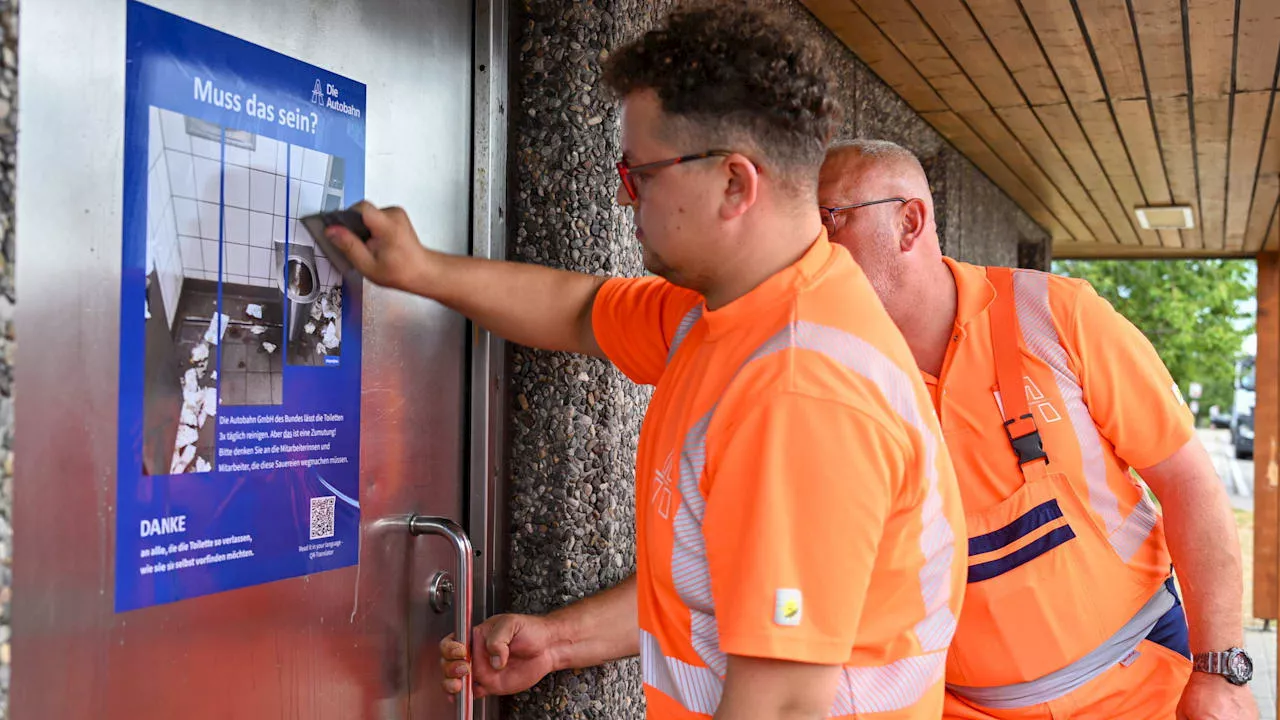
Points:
x=1082, y=110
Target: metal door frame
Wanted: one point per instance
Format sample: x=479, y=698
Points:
x=486, y=471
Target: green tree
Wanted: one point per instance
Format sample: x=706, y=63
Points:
x=1195, y=313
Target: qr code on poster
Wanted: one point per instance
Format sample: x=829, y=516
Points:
x=322, y=516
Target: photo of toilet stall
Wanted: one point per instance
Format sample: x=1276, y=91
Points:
x=222, y=209
x=313, y=286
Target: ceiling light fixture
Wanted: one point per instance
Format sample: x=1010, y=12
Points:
x=1174, y=217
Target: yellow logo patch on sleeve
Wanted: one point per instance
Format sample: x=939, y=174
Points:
x=788, y=606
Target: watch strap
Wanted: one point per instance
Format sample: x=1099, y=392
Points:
x=1218, y=663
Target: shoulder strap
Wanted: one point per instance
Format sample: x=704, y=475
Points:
x=1019, y=423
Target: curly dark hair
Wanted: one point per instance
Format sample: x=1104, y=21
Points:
x=731, y=75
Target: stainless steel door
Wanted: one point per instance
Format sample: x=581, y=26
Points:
x=351, y=643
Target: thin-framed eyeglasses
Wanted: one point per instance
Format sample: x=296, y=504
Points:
x=829, y=213
x=626, y=170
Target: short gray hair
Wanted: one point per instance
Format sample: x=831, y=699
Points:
x=878, y=150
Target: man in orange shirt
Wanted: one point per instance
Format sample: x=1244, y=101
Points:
x=797, y=513
x=1047, y=398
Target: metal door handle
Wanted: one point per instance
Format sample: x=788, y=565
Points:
x=424, y=525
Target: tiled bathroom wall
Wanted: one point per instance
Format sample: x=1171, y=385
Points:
x=253, y=211
x=195, y=178
x=308, y=172
x=270, y=180
x=273, y=197
x=266, y=188
x=164, y=253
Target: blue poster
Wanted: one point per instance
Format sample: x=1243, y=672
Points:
x=239, y=447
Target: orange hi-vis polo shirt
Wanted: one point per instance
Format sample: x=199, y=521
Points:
x=1103, y=403
x=794, y=499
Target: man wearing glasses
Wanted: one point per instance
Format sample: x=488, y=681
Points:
x=1047, y=398
x=796, y=511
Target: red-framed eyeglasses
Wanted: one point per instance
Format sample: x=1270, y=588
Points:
x=625, y=170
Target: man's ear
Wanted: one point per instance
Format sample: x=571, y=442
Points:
x=742, y=186
x=914, y=216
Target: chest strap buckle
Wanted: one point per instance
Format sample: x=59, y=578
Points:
x=1025, y=439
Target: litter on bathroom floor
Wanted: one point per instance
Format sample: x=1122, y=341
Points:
x=217, y=328
x=199, y=401
x=327, y=308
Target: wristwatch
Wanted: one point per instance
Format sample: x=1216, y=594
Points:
x=1233, y=664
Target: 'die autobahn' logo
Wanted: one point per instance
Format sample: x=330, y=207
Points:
x=328, y=97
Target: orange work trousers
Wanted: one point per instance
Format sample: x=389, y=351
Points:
x=1147, y=688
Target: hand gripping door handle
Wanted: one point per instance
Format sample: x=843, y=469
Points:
x=450, y=530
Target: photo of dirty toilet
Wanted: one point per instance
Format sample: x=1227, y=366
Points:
x=230, y=271
x=313, y=287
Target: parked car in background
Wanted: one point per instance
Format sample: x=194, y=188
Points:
x=1244, y=398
